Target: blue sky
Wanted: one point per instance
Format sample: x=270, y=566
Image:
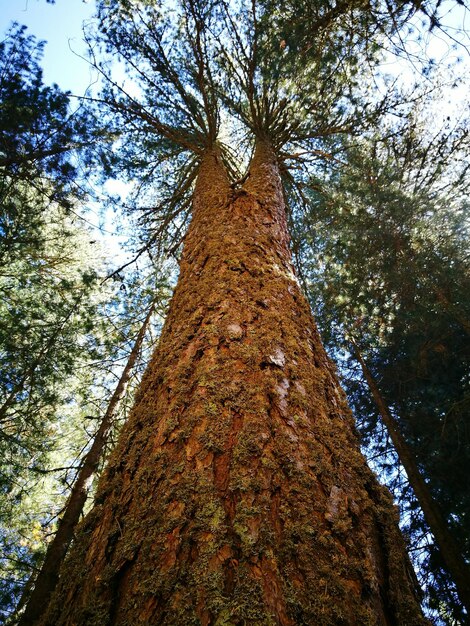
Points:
x=60, y=24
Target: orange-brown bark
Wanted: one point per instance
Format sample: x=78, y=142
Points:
x=237, y=493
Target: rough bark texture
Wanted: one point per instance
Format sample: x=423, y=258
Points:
x=237, y=494
x=450, y=552
x=48, y=575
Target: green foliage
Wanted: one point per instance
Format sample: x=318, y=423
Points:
x=388, y=266
x=297, y=69
x=64, y=333
x=201, y=72
x=39, y=132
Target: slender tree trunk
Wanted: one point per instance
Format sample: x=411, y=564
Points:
x=452, y=556
x=48, y=575
x=237, y=493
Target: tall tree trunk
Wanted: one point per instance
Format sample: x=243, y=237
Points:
x=237, y=493
x=48, y=575
x=452, y=556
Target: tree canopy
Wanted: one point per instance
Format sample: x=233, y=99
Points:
x=393, y=276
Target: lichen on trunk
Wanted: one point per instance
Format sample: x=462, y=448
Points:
x=237, y=493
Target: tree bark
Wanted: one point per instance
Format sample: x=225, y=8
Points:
x=237, y=493
x=452, y=556
x=48, y=575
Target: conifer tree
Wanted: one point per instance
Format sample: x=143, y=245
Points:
x=237, y=492
x=51, y=303
x=47, y=282
x=394, y=279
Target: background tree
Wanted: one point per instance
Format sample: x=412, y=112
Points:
x=39, y=130
x=392, y=273
x=64, y=331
